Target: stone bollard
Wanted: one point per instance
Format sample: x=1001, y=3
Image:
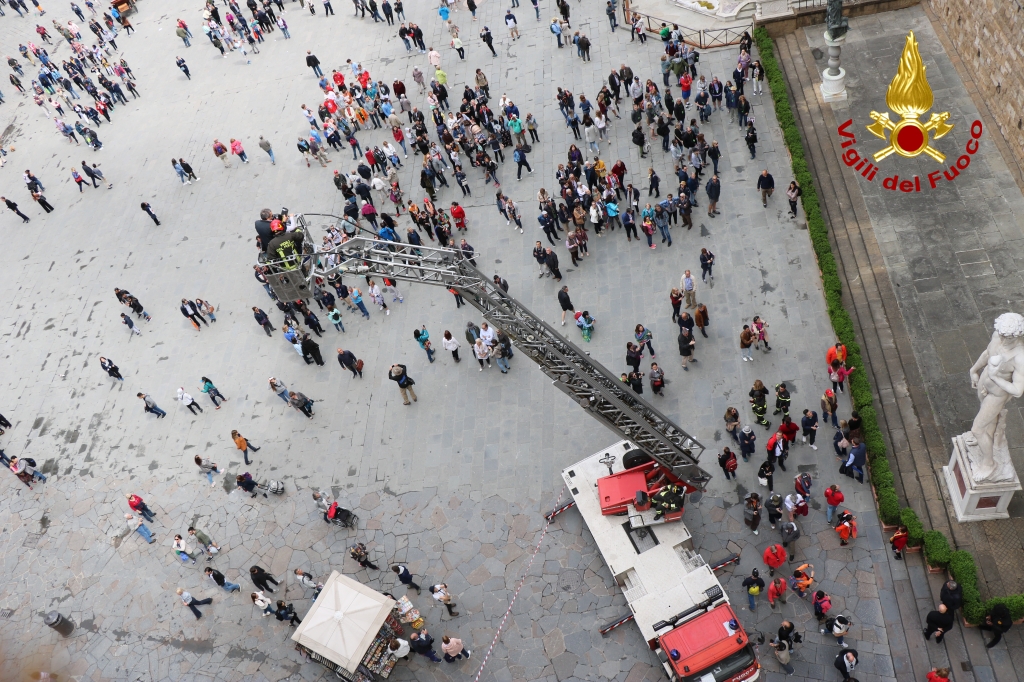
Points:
x=59, y=623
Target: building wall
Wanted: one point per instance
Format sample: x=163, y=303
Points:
x=988, y=36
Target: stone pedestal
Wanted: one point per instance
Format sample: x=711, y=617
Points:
x=974, y=500
x=833, y=79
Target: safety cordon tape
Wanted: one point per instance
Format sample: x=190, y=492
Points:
x=522, y=581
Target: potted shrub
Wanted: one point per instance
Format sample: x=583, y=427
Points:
x=915, y=530
x=936, y=551
x=888, y=509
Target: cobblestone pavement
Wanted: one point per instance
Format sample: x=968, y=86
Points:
x=455, y=485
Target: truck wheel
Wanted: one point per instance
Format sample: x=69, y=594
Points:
x=635, y=458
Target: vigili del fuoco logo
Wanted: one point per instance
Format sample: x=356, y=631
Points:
x=910, y=97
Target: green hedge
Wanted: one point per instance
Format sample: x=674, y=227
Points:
x=961, y=564
x=936, y=549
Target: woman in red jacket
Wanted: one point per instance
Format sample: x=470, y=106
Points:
x=898, y=541
x=833, y=498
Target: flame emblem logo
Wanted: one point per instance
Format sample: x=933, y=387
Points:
x=910, y=96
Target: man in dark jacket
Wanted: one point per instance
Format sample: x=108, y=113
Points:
x=312, y=349
x=952, y=595
x=714, y=190
x=314, y=63
x=766, y=185
x=845, y=663
x=263, y=320
x=857, y=460
x=998, y=621
x=551, y=260
x=263, y=228
x=218, y=577
x=422, y=643
x=747, y=440
x=347, y=359
x=939, y=622
x=639, y=139
x=754, y=580
x=190, y=310
x=565, y=302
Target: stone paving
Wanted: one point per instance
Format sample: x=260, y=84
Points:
x=455, y=485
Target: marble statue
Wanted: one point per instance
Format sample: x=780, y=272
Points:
x=998, y=375
x=837, y=24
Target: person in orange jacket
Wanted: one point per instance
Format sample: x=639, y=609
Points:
x=777, y=590
x=847, y=528
x=774, y=556
x=836, y=352
x=803, y=578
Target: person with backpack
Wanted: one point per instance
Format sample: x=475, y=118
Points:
x=754, y=585
x=822, y=603
x=837, y=627
x=802, y=579
x=727, y=460
x=847, y=528
x=519, y=156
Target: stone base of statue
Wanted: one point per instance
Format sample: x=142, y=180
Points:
x=833, y=79
x=973, y=499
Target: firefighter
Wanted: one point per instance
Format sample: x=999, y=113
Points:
x=667, y=500
x=782, y=399
x=759, y=403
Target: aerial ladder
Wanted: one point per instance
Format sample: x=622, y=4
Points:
x=586, y=381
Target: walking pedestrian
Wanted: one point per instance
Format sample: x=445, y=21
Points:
x=150, y=405
x=301, y=403
x=218, y=578
x=845, y=662
x=13, y=207
x=422, y=643
x=127, y=321
x=190, y=310
x=405, y=577
x=265, y=146
x=782, y=654
x=260, y=578
x=347, y=359
x=938, y=622
x=727, y=460
x=212, y=391
x=209, y=468
x=564, y=302
x=422, y=336
x=314, y=63
x=361, y=556
x=442, y=595
x=243, y=444
x=137, y=525
x=139, y=506
x=450, y=344
x=192, y=603
x=149, y=211
x=180, y=63
x=188, y=401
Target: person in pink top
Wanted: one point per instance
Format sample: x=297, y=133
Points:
x=453, y=649
x=838, y=373
x=236, y=148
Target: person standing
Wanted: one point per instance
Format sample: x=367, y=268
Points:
x=422, y=337
x=192, y=603
x=149, y=211
x=747, y=440
x=513, y=26
x=263, y=320
x=150, y=405
x=833, y=498
x=782, y=654
x=998, y=621
x=701, y=318
x=423, y=644
x=347, y=359
x=688, y=285
x=774, y=556
x=405, y=577
x=13, y=207
x=777, y=592
x=551, y=260
x=759, y=403
x=754, y=585
x=687, y=347
x=450, y=344
x=846, y=661
x=361, y=556
x=243, y=444
x=565, y=302
x=938, y=622
x=714, y=192
x=182, y=549
x=752, y=511
x=809, y=424
x=400, y=376
x=180, y=63
x=829, y=406
x=301, y=403
x=727, y=460
x=190, y=310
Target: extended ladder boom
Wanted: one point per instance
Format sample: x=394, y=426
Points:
x=571, y=369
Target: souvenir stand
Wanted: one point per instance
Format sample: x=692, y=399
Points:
x=348, y=628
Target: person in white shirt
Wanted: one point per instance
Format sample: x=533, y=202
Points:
x=399, y=648
x=487, y=334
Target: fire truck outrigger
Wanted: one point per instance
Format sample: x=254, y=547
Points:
x=631, y=494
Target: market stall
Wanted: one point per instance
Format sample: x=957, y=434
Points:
x=348, y=629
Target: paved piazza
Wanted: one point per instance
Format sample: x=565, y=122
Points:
x=455, y=485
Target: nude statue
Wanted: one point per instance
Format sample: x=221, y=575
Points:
x=998, y=375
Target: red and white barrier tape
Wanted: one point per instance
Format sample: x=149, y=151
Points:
x=526, y=572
